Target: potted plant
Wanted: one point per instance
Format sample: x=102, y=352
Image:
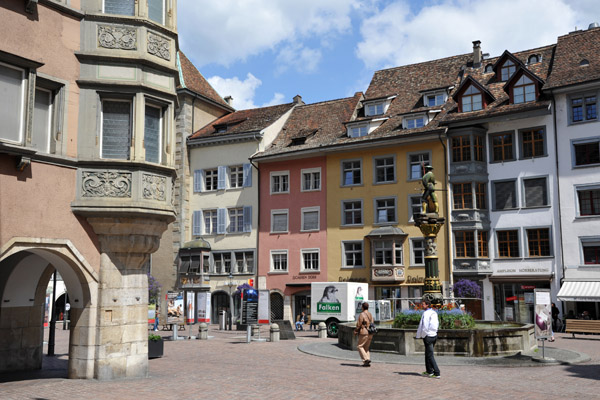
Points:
x=155, y=346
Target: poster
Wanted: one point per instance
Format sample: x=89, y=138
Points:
x=151, y=313
x=263, y=307
x=542, y=314
x=190, y=309
x=203, y=306
x=175, y=308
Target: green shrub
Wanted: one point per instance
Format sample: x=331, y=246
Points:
x=449, y=319
x=154, y=338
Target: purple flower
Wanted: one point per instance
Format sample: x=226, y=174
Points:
x=467, y=288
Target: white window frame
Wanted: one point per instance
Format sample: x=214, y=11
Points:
x=376, y=215
x=414, y=249
x=410, y=121
x=305, y=210
x=164, y=12
x=279, y=174
x=287, y=218
x=396, y=247
x=409, y=163
x=435, y=96
x=213, y=217
x=358, y=130
x=343, y=214
x=236, y=172
x=344, y=255
x=312, y=180
x=22, y=101
x=584, y=188
x=244, y=259
x=411, y=206
x=49, y=130
x=372, y=108
x=239, y=213
x=213, y=174
x=272, y=263
x=221, y=254
x=376, y=169
x=303, y=253
x=343, y=174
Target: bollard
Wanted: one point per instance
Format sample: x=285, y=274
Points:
x=203, y=331
x=255, y=330
x=322, y=330
x=274, y=333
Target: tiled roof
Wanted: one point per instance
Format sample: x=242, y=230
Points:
x=571, y=50
x=192, y=79
x=319, y=124
x=243, y=121
x=501, y=105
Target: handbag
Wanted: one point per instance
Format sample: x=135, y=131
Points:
x=372, y=328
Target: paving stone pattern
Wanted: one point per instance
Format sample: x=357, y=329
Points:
x=226, y=367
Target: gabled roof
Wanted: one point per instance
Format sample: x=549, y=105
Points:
x=312, y=126
x=517, y=75
x=190, y=78
x=571, y=50
x=470, y=81
x=501, y=105
x=506, y=55
x=244, y=121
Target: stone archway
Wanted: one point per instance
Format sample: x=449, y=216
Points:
x=26, y=266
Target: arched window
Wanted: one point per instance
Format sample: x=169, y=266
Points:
x=471, y=100
x=524, y=90
x=489, y=68
x=533, y=59
x=584, y=63
x=507, y=70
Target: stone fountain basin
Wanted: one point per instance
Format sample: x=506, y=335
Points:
x=488, y=338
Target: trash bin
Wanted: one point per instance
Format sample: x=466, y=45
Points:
x=222, y=320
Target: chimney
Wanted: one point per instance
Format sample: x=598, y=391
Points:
x=228, y=99
x=476, y=53
x=298, y=100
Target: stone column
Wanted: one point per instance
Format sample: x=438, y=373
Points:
x=122, y=337
x=430, y=225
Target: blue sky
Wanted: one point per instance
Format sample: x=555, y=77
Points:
x=264, y=52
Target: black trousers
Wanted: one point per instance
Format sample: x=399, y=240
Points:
x=430, y=364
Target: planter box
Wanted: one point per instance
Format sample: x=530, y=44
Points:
x=155, y=348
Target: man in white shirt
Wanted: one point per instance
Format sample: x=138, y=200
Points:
x=427, y=331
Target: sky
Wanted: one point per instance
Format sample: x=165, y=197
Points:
x=264, y=52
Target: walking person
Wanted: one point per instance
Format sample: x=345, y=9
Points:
x=364, y=337
x=428, y=328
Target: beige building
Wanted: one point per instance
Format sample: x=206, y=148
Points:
x=87, y=163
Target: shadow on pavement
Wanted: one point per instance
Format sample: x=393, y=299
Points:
x=350, y=365
x=585, y=371
x=408, y=373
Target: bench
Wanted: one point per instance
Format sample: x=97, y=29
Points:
x=582, y=326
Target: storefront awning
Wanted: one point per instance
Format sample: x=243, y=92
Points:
x=579, y=291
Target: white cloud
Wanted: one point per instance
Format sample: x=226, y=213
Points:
x=394, y=36
x=298, y=57
x=242, y=92
x=226, y=31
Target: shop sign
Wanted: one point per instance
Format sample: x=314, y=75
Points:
x=415, y=279
x=511, y=298
x=360, y=280
x=304, y=277
x=514, y=269
x=527, y=287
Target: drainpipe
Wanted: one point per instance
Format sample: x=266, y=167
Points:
x=448, y=232
x=560, y=235
x=256, y=257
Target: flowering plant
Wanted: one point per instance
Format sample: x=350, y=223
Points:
x=467, y=288
x=449, y=319
x=153, y=289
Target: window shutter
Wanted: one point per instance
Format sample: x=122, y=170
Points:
x=247, y=175
x=198, y=180
x=221, y=220
x=222, y=177
x=197, y=223
x=311, y=220
x=248, y=219
x=280, y=223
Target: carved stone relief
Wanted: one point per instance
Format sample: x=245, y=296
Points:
x=117, y=37
x=159, y=46
x=154, y=187
x=106, y=184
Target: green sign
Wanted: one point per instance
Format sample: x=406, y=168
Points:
x=334, y=308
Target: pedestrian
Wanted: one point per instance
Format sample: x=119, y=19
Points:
x=428, y=328
x=364, y=337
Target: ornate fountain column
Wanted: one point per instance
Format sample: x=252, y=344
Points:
x=430, y=223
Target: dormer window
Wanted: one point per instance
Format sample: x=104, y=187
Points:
x=471, y=100
x=507, y=70
x=374, y=109
x=435, y=99
x=358, y=130
x=524, y=90
x=412, y=122
x=533, y=59
x=489, y=68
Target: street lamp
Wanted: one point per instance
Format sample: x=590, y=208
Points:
x=230, y=283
